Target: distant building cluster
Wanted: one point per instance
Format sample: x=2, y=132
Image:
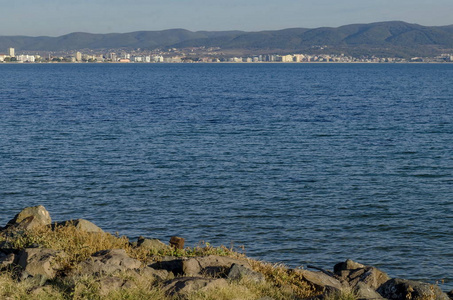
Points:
x=201, y=54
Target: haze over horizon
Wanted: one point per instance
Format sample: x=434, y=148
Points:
x=55, y=18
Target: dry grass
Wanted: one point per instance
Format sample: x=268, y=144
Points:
x=285, y=279
x=281, y=282
x=25, y=290
x=79, y=245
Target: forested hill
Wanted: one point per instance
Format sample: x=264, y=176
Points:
x=384, y=38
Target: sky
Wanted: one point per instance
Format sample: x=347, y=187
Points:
x=59, y=17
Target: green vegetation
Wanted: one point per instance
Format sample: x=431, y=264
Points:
x=394, y=39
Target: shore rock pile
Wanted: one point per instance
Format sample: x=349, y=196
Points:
x=179, y=276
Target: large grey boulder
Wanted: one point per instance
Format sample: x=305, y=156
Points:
x=31, y=217
x=82, y=224
x=402, y=289
x=108, y=262
x=212, y=265
x=354, y=273
x=184, y=285
x=39, y=262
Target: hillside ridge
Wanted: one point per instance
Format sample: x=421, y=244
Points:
x=395, y=38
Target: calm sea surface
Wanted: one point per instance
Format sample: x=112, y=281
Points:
x=300, y=164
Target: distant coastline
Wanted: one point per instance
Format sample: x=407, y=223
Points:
x=374, y=42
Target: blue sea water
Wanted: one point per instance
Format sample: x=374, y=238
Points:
x=299, y=163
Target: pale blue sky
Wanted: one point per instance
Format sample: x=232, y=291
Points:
x=58, y=17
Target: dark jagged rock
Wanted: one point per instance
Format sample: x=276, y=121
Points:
x=402, y=289
x=354, y=273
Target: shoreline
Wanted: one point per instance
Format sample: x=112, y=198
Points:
x=51, y=258
x=228, y=62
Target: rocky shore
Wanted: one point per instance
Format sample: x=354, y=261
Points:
x=76, y=259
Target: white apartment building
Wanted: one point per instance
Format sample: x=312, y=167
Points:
x=158, y=58
x=26, y=58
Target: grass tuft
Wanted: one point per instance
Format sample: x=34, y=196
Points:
x=281, y=282
x=285, y=279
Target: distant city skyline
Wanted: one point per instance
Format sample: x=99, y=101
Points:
x=55, y=18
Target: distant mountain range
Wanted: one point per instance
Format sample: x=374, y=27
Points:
x=382, y=39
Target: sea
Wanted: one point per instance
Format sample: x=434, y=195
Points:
x=299, y=164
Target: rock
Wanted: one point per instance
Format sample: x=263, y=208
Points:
x=112, y=283
x=151, y=244
x=185, y=285
x=35, y=215
x=6, y=260
x=212, y=265
x=363, y=291
x=354, y=273
x=347, y=265
x=321, y=280
x=108, y=262
x=39, y=262
x=371, y=276
x=26, y=224
x=402, y=289
x=177, y=242
x=82, y=224
x=450, y=294
x=169, y=264
x=238, y=272
x=150, y=272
